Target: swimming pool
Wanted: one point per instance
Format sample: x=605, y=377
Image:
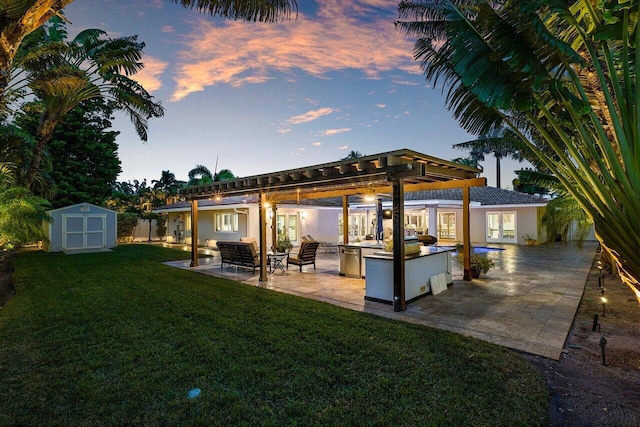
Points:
x=477, y=249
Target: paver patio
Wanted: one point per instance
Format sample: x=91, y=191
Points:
x=528, y=302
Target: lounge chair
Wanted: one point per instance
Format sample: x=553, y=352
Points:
x=326, y=247
x=306, y=255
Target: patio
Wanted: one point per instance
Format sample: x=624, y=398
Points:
x=527, y=302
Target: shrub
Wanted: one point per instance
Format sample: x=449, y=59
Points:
x=126, y=223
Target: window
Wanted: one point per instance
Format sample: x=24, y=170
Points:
x=287, y=225
x=292, y=227
x=227, y=222
x=358, y=226
x=415, y=221
x=447, y=225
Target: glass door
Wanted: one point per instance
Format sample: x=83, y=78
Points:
x=493, y=227
x=509, y=227
x=501, y=227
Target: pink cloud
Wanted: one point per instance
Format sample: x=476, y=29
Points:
x=343, y=35
x=331, y=132
x=309, y=116
x=149, y=76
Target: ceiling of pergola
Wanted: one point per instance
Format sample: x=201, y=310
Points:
x=363, y=175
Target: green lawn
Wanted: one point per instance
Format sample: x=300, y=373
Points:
x=119, y=338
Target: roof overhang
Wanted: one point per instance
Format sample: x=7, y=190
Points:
x=367, y=174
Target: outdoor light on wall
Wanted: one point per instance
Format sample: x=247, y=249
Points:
x=270, y=214
x=303, y=215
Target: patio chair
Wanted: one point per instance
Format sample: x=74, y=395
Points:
x=327, y=247
x=306, y=255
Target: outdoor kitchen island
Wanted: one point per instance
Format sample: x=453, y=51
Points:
x=426, y=272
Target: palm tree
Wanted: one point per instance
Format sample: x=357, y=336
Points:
x=64, y=73
x=472, y=161
x=167, y=183
x=502, y=143
x=200, y=175
x=16, y=152
x=19, y=18
x=563, y=77
x=353, y=154
x=224, y=175
x=21, y=213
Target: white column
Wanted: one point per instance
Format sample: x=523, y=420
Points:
x=433, y=221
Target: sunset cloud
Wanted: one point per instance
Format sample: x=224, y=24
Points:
x=309, y=116
x=331, y=132
x=340, y=36
x=149, y=76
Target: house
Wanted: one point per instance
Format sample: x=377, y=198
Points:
x=496, y=216
x=232, y=218
x=82, y=227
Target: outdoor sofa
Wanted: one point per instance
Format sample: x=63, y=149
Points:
x=241, y=254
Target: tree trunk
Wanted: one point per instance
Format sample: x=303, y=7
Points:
x=14, y=31
x=498, y=171
x=44, y=135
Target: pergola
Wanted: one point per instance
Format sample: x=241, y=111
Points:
x=401, y=170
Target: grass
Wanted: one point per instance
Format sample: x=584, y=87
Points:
x=119, y=338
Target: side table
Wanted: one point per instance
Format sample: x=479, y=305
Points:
x=276, y=261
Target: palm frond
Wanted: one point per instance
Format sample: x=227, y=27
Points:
x=246, y=10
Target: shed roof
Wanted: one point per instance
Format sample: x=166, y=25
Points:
x=91, y=205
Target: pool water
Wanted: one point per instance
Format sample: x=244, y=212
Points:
x=478, y=249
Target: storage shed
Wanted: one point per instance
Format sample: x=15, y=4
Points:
x=81, y=228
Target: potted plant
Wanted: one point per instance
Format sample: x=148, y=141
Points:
x=529, y=239
x=479, y=264
x=283, y=244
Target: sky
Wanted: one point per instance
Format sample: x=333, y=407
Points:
x=258, y=98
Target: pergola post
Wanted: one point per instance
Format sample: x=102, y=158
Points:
x=345, y=220
x=399, y=302
x=274, y=227
x=466, y=235
x=194, y=233
x=262, y=219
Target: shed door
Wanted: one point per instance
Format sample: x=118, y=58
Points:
x=84, y=231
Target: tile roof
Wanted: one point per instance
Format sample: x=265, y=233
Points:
x=240, y=200
x=486, y=196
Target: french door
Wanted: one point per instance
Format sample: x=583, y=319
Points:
x=501, y=227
